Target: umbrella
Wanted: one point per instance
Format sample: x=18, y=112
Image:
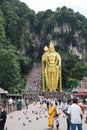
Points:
x=80, y=94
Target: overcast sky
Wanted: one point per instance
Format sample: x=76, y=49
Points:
x=42, y=5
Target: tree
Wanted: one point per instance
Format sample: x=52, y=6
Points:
x=73, y=70
x=26, y=64
x=72, y=83
x=9, y=67
x=79, y=70
x=2, y=29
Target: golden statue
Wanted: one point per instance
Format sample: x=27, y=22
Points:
x=51, y=69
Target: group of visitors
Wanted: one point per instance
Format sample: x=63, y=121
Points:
x=12, y=104
x=4, y=110
x=73, y=109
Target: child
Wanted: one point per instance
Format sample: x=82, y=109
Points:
x=57, y=121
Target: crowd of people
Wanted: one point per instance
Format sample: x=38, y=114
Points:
x=73, y=110
x=34, y=77
x=11, y=104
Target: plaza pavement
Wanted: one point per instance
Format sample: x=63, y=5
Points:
x=34, y=118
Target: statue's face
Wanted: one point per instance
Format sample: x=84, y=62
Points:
x=51, y=48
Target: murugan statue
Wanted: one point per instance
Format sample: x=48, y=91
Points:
x=51, y=69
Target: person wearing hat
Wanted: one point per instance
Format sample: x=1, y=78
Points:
x=3, y=115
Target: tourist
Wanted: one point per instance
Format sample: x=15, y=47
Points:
x=10, y=104
x=69, y=102
x=52, y=112
x=57, y=121
x=56, y=103
x=20, y=104
x=47, y=103
x=3, y=115
x=59, y=100
x=75, y=115
x=41, y=102
x=81, y=105
x=26, y=103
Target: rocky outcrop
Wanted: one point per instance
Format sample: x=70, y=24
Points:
x=65, y=28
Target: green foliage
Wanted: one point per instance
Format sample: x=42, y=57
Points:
x=16, y=22
x=73, y=70
x=48, y=24
x=19, y=22
x=44, y=21
x=20, y=86
x=81, y=69
x=2, y=29
x=9, y=67
x=72, y=83
x=26, y=64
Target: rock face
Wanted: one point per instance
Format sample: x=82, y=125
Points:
x=75, y=45
x=69, y=40
x=65, y=28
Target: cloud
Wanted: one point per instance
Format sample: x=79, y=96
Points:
x=42, y=5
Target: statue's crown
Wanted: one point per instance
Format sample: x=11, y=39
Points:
x=51, y=44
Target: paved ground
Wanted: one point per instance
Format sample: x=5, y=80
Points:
x=34, y=118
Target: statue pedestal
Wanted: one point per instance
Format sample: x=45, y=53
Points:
x=57, y=95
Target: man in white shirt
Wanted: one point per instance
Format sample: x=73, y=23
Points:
x=75, y=115
x=10, y=104
x=10, y=101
